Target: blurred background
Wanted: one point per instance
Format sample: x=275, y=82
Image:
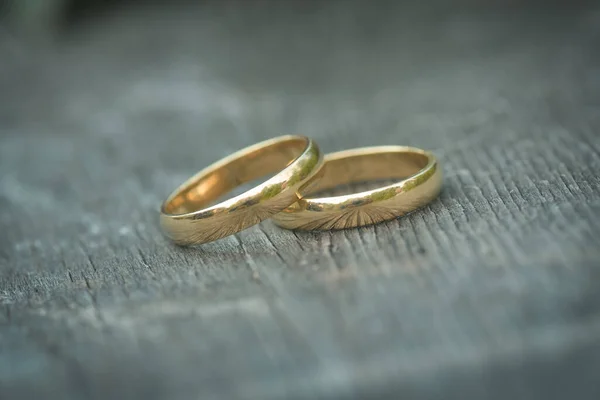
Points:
x=112, y=69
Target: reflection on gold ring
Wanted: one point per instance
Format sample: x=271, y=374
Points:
x=420, y=182
x=187, y=217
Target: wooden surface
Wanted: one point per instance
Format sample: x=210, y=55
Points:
x=492, y=292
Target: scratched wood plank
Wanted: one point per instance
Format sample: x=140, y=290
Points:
x=490, y=292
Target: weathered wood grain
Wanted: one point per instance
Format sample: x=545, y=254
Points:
x=492, y=291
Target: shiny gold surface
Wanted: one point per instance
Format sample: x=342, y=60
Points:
x=421, y=181
x=187, y=217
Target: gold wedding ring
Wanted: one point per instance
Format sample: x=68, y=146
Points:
x=187, y=217
x=421, y=181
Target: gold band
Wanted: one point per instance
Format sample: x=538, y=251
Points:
x=187, y=219
x=421, y=182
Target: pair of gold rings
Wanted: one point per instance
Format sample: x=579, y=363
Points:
x=187, y=216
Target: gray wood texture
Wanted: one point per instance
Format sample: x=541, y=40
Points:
x=491, y=292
